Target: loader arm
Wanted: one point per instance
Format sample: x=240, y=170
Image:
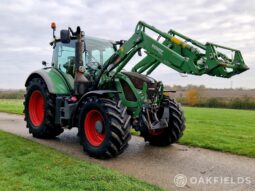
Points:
x=176, y=51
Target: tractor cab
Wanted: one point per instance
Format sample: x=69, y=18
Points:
x=96, y=52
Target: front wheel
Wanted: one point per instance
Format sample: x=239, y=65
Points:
x=103, y=127
x=176, y=125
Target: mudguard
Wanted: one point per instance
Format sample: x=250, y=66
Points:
x=90, y=93
x=57, y=82
x=97, y=93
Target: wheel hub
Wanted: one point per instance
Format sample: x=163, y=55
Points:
x=99, y=126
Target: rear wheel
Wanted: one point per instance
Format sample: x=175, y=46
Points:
x=40, y=110
x=103, y=127
x=176, y=125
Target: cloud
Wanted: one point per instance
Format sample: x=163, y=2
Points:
x=25, y=32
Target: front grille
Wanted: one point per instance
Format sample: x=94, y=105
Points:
x=129, y=94
x=138, y=80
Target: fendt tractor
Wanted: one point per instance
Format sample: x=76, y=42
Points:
x=87, y=87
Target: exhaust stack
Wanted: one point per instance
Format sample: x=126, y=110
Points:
x=81, y=83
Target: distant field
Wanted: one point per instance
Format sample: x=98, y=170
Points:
x=219, y=93
x=219, y=129
x=11, y=106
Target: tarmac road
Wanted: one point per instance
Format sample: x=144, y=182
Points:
x=204, y=169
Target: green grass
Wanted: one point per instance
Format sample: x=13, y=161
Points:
x=226, y=130
x=11, y=106
x=26, y=165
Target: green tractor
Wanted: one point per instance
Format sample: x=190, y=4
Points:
x=86, y=87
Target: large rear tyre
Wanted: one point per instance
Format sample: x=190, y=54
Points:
x=39, y=110
x=103, y=127
x=176, y=125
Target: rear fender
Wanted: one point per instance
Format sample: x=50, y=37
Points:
x=55, y=81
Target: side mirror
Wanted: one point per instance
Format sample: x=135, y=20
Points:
x=65, y=36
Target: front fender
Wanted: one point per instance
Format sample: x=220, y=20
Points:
x=97, y=93
x=56, y=82
x=88, y=94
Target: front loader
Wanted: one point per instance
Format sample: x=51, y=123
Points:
x=86, y=87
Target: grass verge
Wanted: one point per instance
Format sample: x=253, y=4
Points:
x=26, y=165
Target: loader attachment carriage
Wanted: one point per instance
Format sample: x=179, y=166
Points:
x=87, y=88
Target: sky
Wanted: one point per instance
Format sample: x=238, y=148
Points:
x=25, y=31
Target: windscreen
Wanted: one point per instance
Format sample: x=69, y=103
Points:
x=98, y=50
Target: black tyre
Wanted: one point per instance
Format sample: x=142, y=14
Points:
x=176, y=125
x=103, y=127
x=39, y=109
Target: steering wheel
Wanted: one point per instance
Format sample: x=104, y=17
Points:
x=94, y=65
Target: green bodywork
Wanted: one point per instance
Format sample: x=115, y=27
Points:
x=140, y=94
x=57, y=82
x=172, y=49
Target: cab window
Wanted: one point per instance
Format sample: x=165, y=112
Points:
x=97, y=50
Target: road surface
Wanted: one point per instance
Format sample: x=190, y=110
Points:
x=204, y=169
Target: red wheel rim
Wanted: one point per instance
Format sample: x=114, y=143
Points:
x=94, y=127
x=36, y=108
